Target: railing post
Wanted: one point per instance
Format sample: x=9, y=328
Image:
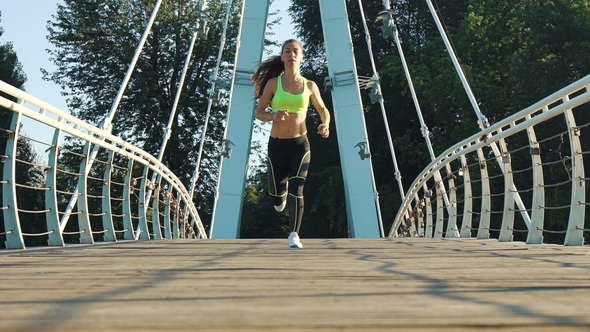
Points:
x=428, y=204
x=483, y=231
x=575, y=234
x=506, y=231
x=92, y=138
x=156, y=209
x=127, y=189
x=452, y=231
x=52, y=217
x=83, y=216
x=176, y=219
x=14, y=236
x=466, y=221
x=535, y=235
x=167, y=213
x=440, y=211
x=107, y=218
x=142, y=228
x=418, y=216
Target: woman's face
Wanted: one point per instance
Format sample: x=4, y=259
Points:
x=292, y=54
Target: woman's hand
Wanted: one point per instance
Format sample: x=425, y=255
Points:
x=281, y=115
x=324, y=130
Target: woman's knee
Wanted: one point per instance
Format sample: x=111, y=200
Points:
x=296, y=185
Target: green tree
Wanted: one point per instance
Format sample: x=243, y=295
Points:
x=513, y=54
x=556, y=48
x=554, y=53
x=94, y=44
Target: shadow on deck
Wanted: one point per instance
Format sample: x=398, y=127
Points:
x=389, y=284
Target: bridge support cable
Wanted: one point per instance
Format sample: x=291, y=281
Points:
x=107, y=123
x=212, y=91
x=376, y=95
x=482, y=120
x=213, y=80
x=389, y=30
x=201, y=29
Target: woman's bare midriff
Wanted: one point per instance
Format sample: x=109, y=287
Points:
x=292, y=127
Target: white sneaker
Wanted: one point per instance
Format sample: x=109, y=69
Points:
x=294, y=241
x=281, y=207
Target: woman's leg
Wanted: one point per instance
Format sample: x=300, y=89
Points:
x=298, y=168
x=278, y=171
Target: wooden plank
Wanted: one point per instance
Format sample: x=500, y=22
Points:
x=329, y=285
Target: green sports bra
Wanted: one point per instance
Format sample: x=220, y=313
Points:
x=286, y=101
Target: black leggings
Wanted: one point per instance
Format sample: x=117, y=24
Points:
x=288, y=162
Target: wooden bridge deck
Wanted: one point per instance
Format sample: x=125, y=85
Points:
x=401, y=284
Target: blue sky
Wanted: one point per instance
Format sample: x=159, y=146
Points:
x=27, y=30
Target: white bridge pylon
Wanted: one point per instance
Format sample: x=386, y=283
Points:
x=362, y=203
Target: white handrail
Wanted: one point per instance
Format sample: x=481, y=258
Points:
x=574, y=95
x=56, y=118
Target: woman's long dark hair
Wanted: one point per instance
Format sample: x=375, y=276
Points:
x=269, y=68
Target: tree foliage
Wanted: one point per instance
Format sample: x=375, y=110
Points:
x=95, y=42
x=513, y=54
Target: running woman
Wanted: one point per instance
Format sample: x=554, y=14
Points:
x=280, y=86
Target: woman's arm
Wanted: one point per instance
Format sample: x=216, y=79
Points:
x=264, y=101
x=320, y=107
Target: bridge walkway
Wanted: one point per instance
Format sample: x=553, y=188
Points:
x=392, y=284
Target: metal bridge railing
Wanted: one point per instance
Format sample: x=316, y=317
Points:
x=116, y=198
x=541, y=160
x=542, y=151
